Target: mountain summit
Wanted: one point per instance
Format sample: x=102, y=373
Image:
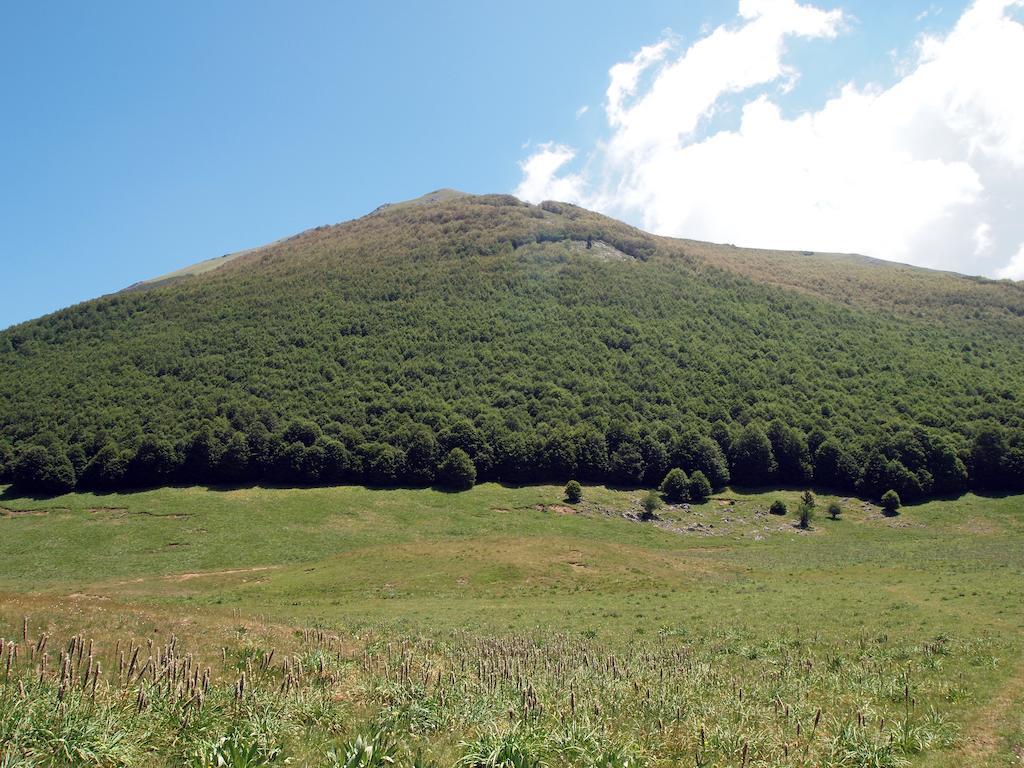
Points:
x=543, y=342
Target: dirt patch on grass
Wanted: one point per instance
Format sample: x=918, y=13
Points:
x=4, y=512
x=229, y=572
x=561, y=509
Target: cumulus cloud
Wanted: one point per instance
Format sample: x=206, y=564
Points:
x=929, y=170
x=541, y=175
x=1014, y=269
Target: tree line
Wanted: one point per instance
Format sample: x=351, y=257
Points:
x=915, y=464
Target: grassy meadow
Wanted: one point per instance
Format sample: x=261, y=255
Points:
x=504, y=626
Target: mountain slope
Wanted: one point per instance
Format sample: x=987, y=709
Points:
x=546, y=341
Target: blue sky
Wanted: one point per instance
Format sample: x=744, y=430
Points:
x=137, y=137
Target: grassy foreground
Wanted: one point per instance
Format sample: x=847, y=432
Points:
x=501, y=626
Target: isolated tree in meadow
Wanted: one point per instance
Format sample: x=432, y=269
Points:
x=805, y=514
x=700, y=487
x=45, y=470
x=834, y=510
x=573, y=492
x=891, y=502
x=456, y=470
x=807, y=498
x=676, y=486
x=651, y=503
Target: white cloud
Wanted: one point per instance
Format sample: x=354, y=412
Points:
x=1014, y=269
x=540, y=175
x=983, y=239
x=929, y=170
x=582, y=111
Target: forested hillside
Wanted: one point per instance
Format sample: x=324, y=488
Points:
x=478, y=337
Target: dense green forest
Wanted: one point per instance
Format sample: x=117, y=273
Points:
x=478, y=337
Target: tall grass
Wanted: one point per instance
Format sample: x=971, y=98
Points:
x=519, y=701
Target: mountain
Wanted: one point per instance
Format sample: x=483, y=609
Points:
x=544, y=342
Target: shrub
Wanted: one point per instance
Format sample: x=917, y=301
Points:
x=700, y=487
x=573, y=492
x=515, y=748
x=235, y=752
x=778, y=507
x=807, y=499
x=651, y=504
x=834, y=510
x=891, y=502
x=806, y=514
x=676, y=486
x=376, y=751
x=457, y=470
